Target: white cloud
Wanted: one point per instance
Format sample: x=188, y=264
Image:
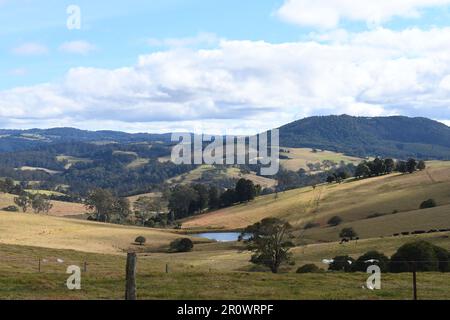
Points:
x=77, y=47
x=202, y=38
x=30, y=49
x=329, y=13
x=246, y=86
x=446, y=122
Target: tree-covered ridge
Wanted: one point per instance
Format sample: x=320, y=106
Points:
x=398, y=137
x=104, y=166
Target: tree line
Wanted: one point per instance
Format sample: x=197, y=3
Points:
x=188, y=200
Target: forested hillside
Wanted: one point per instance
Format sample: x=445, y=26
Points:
x=399, y=137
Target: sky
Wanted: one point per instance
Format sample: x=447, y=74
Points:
x=223, y=66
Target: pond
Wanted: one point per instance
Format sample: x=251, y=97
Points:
x=219, y=236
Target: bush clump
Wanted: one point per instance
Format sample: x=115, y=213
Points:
x=11, y=209
x=430, y=203
x=369, y=259
x=140, y=240
x=181, y=245
x=421, y=255
x=335, y=221
x=342, y=263
x=309, y=268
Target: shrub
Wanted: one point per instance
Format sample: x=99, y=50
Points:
x=342, y=263
x=140, y=240
x=181, y=245
x=361, y=264
x=424, y=255
x=430, y=203
x=443, y=257
x=309, y=268
x=11, y=209
x=348, y=233
x=335, y=221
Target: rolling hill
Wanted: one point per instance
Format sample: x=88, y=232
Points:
x=377, y=206
x=398, y=137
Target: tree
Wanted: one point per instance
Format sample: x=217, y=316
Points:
x=430, y=203
x=421, y=255
x=101, y=202
x=140, y=240
x=348, y=233
x=362, y=170
x=144, y=208
x=181, y=245
x=121, y=208
x=335, y=221
x=331, y=179
x=23, y=202
x=228, y=198
x=214, y=198
x=421, y=165
x=202, y=201
x=7, y=185
x=270, y=240
x=389, y=165
x=411, y=165
x=342, y=263
x=245, y=190
x=180, y=201
x=40, y=204
x=371, y=258
x=377, y=167
x=402, y=167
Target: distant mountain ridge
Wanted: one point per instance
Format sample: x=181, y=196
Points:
x=395, y=136
x=19, y=140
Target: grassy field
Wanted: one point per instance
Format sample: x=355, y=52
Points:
x=206, y=273
x=222, y=270
x=354, y=201
x=300, y=157
x=59, y=209
x=62, y=233
x=230, y=173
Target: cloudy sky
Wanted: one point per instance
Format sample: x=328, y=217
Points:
x=223, y=66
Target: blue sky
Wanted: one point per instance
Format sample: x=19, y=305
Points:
x=221, y=65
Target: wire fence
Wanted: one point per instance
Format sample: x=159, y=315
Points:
x=183, y=270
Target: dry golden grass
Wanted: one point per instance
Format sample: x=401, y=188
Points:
x=300, y=157
x=59, y=209
x=133, y=199
x=353, y=201
x=231, y=172
x=79, y=235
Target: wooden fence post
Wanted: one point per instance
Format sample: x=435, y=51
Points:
x=414, y=281
x=130, y=288
x=85, y=266
x=167, y=268
x=39, y=265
